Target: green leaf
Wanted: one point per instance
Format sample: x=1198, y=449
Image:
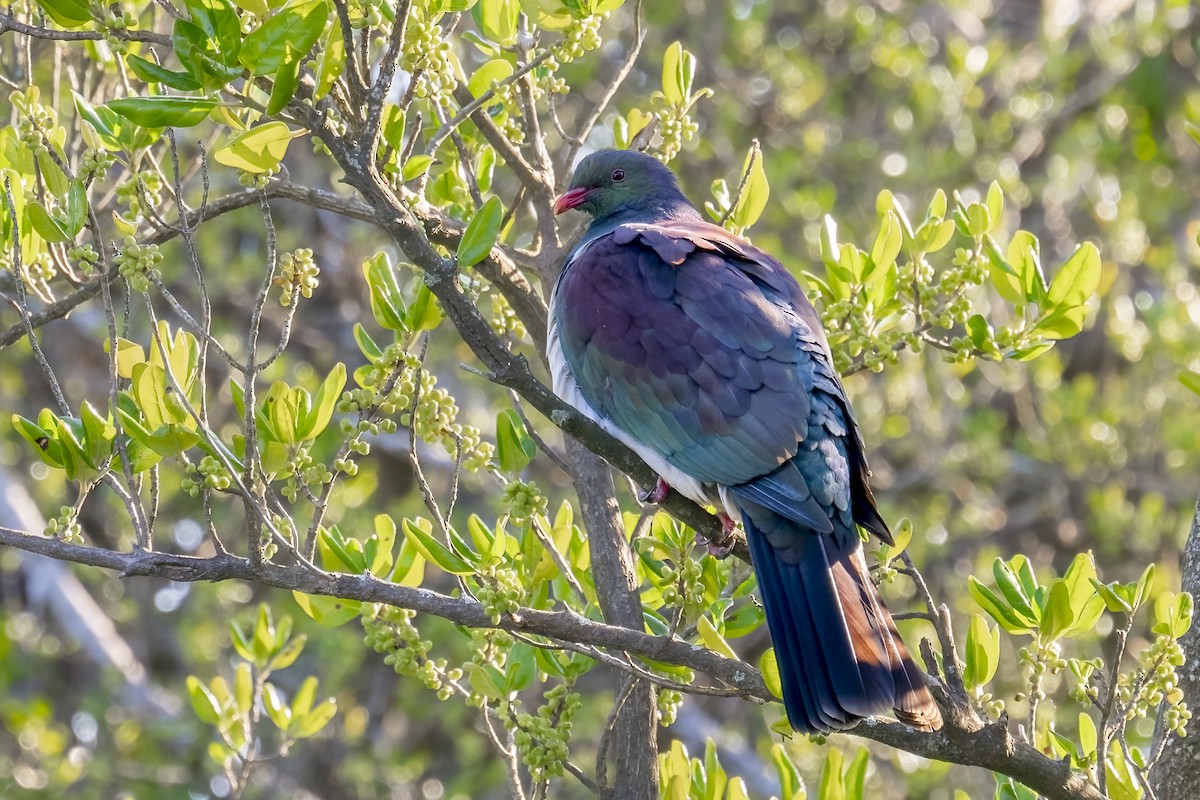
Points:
x=387, y=304
x=768, y=665
x=713, y=639
x=514, y=448
x=481, y=233
x=1088, y=738
x=1057, y=616
x=204, y=702
x=283, y=86
x=982, y=653
x=288, y=655
x=520, y=670
x=276, y=708
x=425, y=312
x=997, y=608
x=755, y=193
x=310, y=724
x=410, y=566
x=497, y=19
x=415, y=167
x=323, y=404
x=257, y=150
x=436, y=552
x=1019, y=596
x=487, y=76
x=995, y=202
x=162, y=112
x=887, y=245
x=328, y=611
x=45, y=225
x=1113, y=600
x=285, y=37
x=331, y=63
x=1190, y=379
x=1025, y=256
x=150, y=72
x=676, y=82
x=379, y=556
x=68, y=13
x=1077, y=279
x=77, y=207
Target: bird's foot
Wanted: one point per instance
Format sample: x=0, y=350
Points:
x=657, y=494
x=721, y=547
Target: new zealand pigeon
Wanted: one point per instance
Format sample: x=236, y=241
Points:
x=702, y=354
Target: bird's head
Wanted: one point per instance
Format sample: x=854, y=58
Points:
x=618, y=182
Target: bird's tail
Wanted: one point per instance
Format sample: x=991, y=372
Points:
x=839, y=653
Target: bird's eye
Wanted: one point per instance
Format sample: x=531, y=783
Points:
x=618, y=175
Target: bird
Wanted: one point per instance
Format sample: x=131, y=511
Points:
x=702, y=353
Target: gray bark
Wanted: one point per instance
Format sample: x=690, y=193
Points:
x=632, y=764
x=1177, y=774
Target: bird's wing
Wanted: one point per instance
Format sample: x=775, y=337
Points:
x=705, y=349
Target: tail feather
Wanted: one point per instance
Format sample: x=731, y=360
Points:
x=840, y=655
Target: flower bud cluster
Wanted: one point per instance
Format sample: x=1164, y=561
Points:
x=543, y=739
x=36, y=122
x=138, y=263
x=208, y=474
x=66, y=526
x=669, y=703
x=427, y=56
x=505, y=321
x=142, y=191
x=684, y=586
x=94, y=164
x=297, y=273
x=391, y=631
x=501, y=592
x=523, y=500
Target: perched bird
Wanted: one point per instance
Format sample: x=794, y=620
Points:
x=702, y=354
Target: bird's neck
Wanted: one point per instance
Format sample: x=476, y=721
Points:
x=668, y=208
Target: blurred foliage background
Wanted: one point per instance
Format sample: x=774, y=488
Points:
x=1077, y=109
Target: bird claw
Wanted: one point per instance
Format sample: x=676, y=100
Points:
x=657, y=494
x=720, y=548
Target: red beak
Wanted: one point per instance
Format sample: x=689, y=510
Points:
x=572, y=199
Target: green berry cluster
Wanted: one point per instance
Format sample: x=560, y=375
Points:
x=436, y=411
x=500, y=592
x=208, y=474
x=1039, y=661
x=581, y=36
x=543, y=739
x=1084, y=672
x=137, y=263
x=505, y=321
x=115, y=24
x=675, y=126
x=522, y=501
x=991, y=705
x=85, y=256
x=66, y=526
x=258, y=180
x=37, y=122
x=297, y=273
x=141, y=192
x=365, y=14
x=1155, y=683
x=669, y=702
x=427, y=55
x=94, y=164
x=391, y=631
x=684, y=586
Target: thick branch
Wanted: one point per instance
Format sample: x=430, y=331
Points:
x=990, y=746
